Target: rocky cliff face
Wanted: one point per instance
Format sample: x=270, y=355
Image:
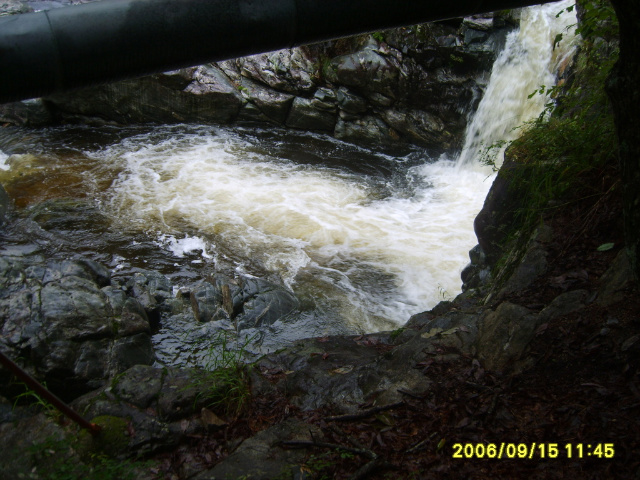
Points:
x=409, y=85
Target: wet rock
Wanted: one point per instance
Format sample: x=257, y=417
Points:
x=341, y=372
x=33, y=112
x=419, y=127
x=13, y=7
x=504, y=335
x=150, y=289
x=249, y=302
x=263, y=457
x=5, y=205
x=368, y=130
x=272, y=104
x=162, y=406
x=57, y=318
x=209, y=97
x=349, y=102
x=367, y=70
x=527, y=266
x=616, y=280
x=288, y=70
x=563, y=304
x=479, y=22
x=477, y=273
x=311, y=114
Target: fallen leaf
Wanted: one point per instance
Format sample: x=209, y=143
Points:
x=431, y=333
x=605, y=247
x=184, y=425
x=342, y=370
x=628, y=343
x=211, y=419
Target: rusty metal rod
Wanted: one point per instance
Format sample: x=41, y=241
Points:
x=47, y=395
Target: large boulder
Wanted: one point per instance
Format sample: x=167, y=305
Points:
x=249, y=302
x=202, y=94
x=66, y=324
x=387, y=87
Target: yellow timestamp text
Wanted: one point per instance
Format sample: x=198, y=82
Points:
x=533, y=450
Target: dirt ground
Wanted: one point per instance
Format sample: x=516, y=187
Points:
x=574, y=415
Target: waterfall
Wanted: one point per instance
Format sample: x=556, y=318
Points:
x=364, y=239
x=528, y=61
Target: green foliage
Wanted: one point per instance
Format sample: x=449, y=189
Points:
x=227, y=373
x=378, y=36
x=31, y=398
x=315, y=465
x=396, y=333
x=598, y=21
x=554, y=161
x=56, y=460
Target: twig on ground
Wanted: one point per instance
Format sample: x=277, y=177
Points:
x=365, y=452
x=364, y=414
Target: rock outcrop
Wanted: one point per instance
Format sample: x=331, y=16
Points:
x=69, y=326
x=412, y=85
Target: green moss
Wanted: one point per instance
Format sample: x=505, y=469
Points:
x=112, y=440
x=63, y=459
x=396, y=333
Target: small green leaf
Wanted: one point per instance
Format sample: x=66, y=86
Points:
x=440, y=445
x=605, y=246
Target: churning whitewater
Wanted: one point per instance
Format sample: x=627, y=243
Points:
x=364, y=239
x=367, y=237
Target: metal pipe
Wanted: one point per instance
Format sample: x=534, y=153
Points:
x=81, y=45
x=34, y=385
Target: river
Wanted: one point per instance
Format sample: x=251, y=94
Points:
x=364, y=239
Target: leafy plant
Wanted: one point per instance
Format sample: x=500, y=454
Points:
x=378, y=36
x=56, y=459
x=31, y=398
x=227, y=372
x=553, y=162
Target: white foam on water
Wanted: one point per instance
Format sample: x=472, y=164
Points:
x=528, y=61
x=3, y=161
x=326, y=232
x=181, y=246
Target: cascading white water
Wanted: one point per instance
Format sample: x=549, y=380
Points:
x=364, y=239
x=363, y=252
x=528, y=61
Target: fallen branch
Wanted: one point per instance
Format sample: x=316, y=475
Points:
x=365, y=452
x=369, y=468
x=364, y=414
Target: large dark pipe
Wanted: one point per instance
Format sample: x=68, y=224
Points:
x=46, y=52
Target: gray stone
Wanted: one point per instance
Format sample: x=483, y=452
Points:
x=479, y=22
x=472, y=35
x=504, y=335
x=78, y=333
x=309, y=114
x=616, y=280
x=273, y=104
x=33, y=112
x=209, y=97
x=350, y=102
x=286, y=70
x=563, y=304
x=263, y=457
x=368, y=129
x=5, y=205
x=419, y=127
x=366, y=69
